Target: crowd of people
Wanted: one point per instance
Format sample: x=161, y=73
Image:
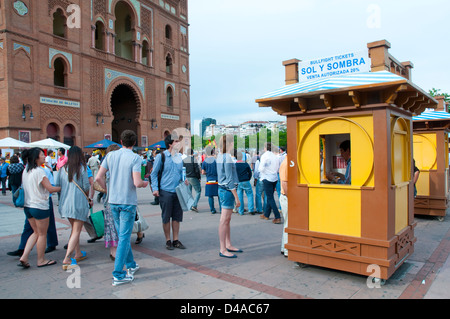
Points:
x=229, y=174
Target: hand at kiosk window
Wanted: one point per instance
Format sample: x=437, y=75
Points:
x=338, y=178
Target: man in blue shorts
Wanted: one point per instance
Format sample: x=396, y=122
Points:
x=166, y=175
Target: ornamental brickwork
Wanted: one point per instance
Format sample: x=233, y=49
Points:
x=71, y=63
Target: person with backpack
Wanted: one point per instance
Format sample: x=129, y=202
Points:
x=166, y=175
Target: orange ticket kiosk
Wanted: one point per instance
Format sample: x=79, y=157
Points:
x=431, y=147
x=370, y=220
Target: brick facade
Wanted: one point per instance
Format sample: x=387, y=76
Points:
x=126, y=67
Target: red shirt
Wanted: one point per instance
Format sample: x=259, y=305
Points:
x=62, y=160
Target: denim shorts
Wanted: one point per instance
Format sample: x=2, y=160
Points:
x=226, y=198
x=38, y=214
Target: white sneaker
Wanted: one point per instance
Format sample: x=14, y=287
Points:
x=125, y=280
x=132, y=271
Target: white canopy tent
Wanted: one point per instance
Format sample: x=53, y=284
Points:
x=12, y=143
x=49, y=143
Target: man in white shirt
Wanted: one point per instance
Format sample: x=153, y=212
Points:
x=268, y=168
x=49, y=160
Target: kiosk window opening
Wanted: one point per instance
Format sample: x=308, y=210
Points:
x=335, y=159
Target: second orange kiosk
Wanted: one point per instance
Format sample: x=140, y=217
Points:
x=431, y=147
x=369, y=222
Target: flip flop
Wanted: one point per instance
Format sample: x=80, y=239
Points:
x=49, y=263
x=23, y=264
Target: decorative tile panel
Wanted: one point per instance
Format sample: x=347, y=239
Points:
x=51, y=54
x=17, y=46
x=111, y=75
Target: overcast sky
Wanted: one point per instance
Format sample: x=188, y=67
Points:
x=237, y=46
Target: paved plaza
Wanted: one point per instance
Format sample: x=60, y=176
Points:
x=261, y=272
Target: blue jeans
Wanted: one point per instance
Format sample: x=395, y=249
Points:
x=194, y=182
x=247, y=188
x=269, y=189
x=124, y=216
x=278, y=188
x=14, y=188
x=258, y=196
x=211, y=204
x=3, y=180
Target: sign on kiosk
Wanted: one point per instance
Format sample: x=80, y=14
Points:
x=355, y=62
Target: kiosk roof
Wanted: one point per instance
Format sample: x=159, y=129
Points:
x=334, y=83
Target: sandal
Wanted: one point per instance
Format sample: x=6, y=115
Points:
x=139, y=239
x=72, y=265
x=23, y=264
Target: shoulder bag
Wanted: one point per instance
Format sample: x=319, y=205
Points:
x=19, y=197
x=84, y=193
x=98, y=188
x=140, y=224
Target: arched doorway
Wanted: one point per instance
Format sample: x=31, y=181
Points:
x=53, y=131
x=124, y=107
x=69, y=135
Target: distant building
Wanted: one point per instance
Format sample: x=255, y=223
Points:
x=251, y=127
x=244, y=129
x=205, y=123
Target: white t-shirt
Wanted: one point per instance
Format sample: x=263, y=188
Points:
x=36, y=196
x=48, y=162
x=268, y=166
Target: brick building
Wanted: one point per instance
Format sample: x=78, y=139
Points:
x=81, y=71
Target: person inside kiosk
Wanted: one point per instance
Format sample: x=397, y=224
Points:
x=339, y=178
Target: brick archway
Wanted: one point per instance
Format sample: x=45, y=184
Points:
x=125, y=109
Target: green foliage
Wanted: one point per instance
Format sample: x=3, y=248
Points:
x=255, y=141
x=437, y=92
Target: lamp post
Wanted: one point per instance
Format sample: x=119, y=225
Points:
x=98, y=116
x=154, y=124
x=26, y=107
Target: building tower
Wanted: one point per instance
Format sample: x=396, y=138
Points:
x=87, y=70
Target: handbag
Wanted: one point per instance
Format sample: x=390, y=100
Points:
x=19, y=197
x=140, y=224
x=184, y=196
x=98, y=188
